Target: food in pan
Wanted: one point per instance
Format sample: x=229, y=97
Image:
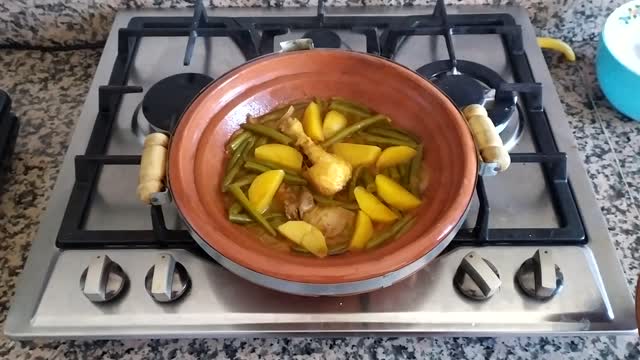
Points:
x=323, y=177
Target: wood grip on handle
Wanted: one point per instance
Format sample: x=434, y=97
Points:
x=489, y=143
x=152, y=166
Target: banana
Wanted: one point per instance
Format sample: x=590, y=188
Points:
x=557, y=45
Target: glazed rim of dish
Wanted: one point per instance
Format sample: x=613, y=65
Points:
x=196, y=157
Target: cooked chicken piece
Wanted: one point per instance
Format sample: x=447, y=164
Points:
x=332, y=221
x=297, y=201
x=329, y=174
x=305, y=202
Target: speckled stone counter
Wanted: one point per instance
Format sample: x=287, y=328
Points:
x=48, y=89
x=55, y=22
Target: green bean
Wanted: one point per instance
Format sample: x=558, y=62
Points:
x=299, y=249
x=390, y=133
x=274, y=166
x=416, y=169
x=345, y=109
x=354, y=181
x=248, y=149
x=340, y=249
x=246, y=219
x=352, y=104
x=278, y=220
x=404, y=228
x=405, y=172
x=278, y=113
x=235, y=208
x=322, y=200
x=238, y=140
x=294, y=180
x=268, y=132
x=369, y=181
x=394, y=230
x=369, y=138
x=245, y=180
x=235, y=164
x=262, y=140
x=242, y=199
x=252, y=165
x=322, y=105
x=230, y=175
x=352, y=129
x=238, y=153
x=274, y=115
x=288, y=178
x=404, y=132
x=240, y=218
x=395, y=174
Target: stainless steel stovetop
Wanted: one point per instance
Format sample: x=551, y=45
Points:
x=49, y=301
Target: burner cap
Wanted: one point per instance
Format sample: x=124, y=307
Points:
x=166, y=100
x=323, y=38
x=471, y=87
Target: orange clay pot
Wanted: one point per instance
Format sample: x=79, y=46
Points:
x=197, y=158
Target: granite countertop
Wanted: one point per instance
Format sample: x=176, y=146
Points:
x=48, y=89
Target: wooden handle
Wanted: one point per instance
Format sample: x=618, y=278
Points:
x=489, y=143
x=152, y=166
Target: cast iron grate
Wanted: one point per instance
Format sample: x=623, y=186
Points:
x=255, y=36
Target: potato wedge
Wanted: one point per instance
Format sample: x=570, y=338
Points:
x=312, y=122
x=357, y=154
x=363, y=231
x=263, y=188
x=283, y=155
x=334, y=121
x=395, y=155
x=373, y=207
x=394, y=194
x=305, y=235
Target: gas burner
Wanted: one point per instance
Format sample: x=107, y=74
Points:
x=166, y=100
x=472, y=83
x=324, y=38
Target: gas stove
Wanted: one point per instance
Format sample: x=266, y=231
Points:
x=533, y=256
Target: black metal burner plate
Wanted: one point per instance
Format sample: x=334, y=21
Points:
x=323, y=38
x=469, y=87
x=167, y=99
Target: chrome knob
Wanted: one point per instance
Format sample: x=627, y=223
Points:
x=167, y=280
x=539, y=277
x=476, y=277
x=103, y=280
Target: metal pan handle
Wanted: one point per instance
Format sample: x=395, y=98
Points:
x=493, y=154
x=153, y=169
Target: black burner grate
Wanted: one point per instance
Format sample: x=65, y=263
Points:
x=255, y=36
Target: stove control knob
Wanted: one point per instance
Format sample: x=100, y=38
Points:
x=476, y=277
x=539, y=277
x=167, y=280
x=103, y=280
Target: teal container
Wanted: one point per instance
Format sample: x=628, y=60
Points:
x=618, y=59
